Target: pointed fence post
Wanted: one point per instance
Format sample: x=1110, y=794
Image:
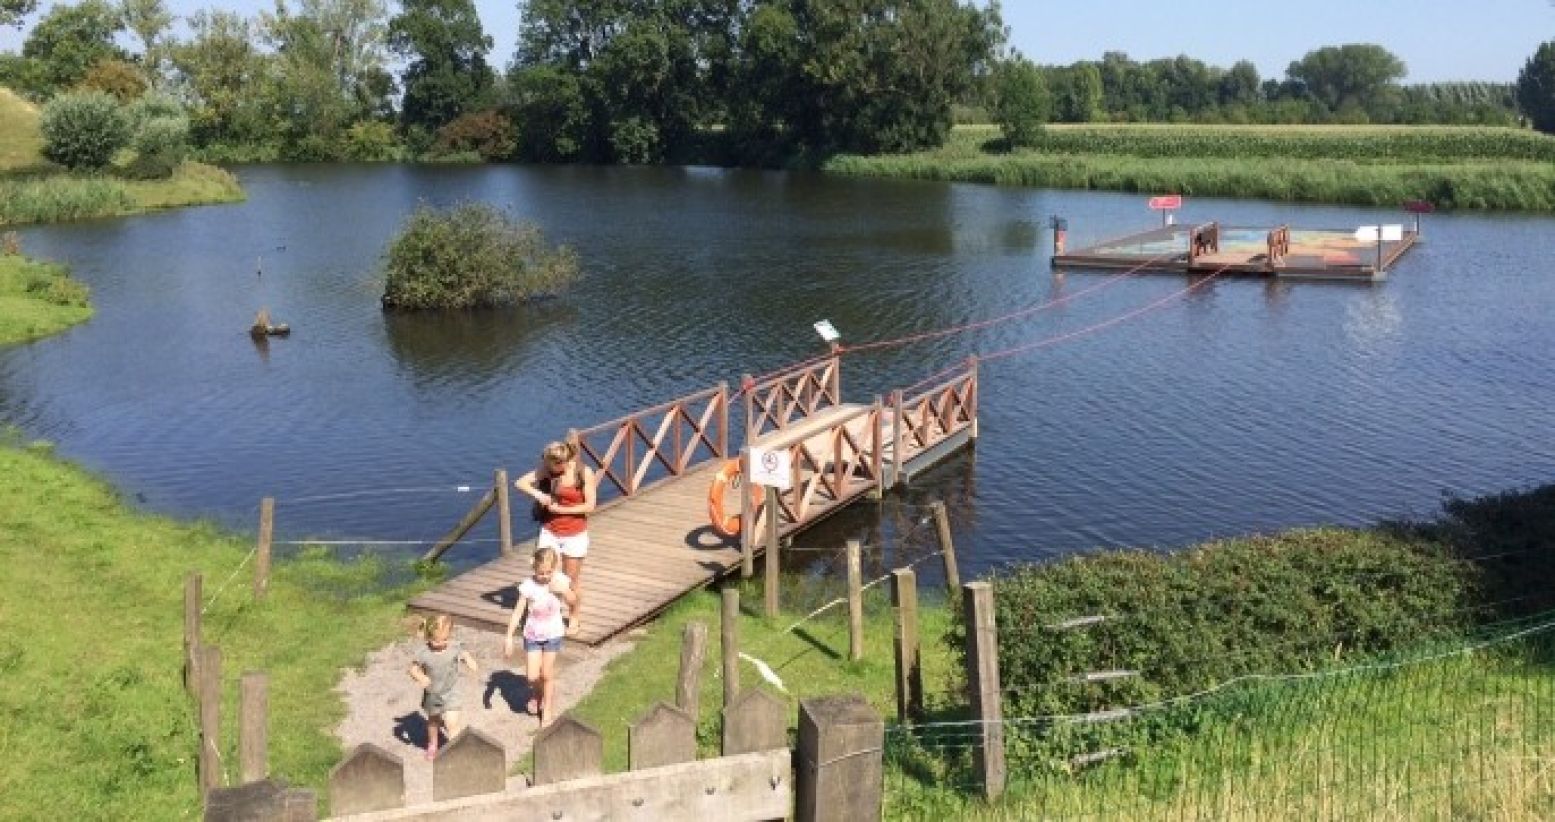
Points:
x=370, y=779
x=569, y=749
x=982, y=664
x=473, y=763
x=663, y=735
x=755, y=721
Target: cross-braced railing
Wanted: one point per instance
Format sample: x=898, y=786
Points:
x=830, y=468
x=659, y=443
x=792, y=397
x=933, y=415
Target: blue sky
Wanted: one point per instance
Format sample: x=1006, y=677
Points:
x=1438, y=40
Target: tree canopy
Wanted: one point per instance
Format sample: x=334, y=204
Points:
x=1536, y=88
x=1350, y=75
x=446, y=47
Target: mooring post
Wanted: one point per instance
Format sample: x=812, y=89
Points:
x=504, y=512
x=262, y=550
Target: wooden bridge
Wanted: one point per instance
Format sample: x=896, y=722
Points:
x=650, y=539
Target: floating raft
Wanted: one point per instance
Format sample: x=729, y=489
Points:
x=1362, y=255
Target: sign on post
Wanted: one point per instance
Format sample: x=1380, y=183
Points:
x=1166, y=202
x=771, y=468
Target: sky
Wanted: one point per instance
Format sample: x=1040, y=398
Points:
x=1438, y=40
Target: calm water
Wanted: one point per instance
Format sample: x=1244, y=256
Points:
x=1247, y=406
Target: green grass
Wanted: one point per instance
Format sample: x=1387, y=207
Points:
x=38, y=299
x=811, y=661
x=93, y=717
x=1474, y=168
x=32, y=190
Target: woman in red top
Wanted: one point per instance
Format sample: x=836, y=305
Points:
x=563, y=491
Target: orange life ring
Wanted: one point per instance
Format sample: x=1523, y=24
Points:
x=728, y=475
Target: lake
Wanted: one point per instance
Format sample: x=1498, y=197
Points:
x=1243, y=406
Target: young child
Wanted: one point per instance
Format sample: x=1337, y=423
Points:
x=540, y=599
x=436, y=670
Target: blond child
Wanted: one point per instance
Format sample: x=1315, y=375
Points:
x=539, y=608
x=436, y=669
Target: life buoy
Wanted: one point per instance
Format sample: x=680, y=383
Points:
x=728, y=475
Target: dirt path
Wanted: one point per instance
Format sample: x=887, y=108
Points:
x=384, y=705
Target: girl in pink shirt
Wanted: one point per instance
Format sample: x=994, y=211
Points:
x=539, y=608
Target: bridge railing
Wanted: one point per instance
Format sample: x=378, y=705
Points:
x=928, y=417
x=792, y=397
x=635, y=452
x=830, y=468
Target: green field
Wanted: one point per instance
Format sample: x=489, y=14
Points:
x=38, y=299
x=96, y=723
x=1451, y=167
x=34, y=191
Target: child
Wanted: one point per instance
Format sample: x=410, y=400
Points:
x=540, y=599
x=436, y=670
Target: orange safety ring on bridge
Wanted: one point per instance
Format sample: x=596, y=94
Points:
x=728, y=475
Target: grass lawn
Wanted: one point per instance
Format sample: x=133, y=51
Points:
x=1477, y=168
x=32, y=190
x=37, y=299
x=93, y=719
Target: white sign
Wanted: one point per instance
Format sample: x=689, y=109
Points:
x=827, y=331
x=771, y=468
x=1366, y=234
x=1392, y=233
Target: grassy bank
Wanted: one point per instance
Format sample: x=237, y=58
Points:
x=1475, y=168
x=35, y=191
x=95, y=721
x=38, y=299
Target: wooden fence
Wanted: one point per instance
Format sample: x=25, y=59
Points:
x=937, y=414
x=637, y=451
x=780, y=402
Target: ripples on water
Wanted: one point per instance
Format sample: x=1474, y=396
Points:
x=1247, y=406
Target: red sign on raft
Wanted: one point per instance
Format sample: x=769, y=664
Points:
x=1166, y=203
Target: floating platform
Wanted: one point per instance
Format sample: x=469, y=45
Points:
x=1284, y=252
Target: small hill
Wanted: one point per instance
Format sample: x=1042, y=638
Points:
x=20, y=143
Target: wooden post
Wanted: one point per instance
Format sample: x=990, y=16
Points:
x=909, y=674
x=193, y=582
x=982, y=664
x=748, y=388
x=504, y=512
x=896, y=437
x=723, y=420
x=855, y=602
x=877, y=457
x=971, y=399
x=210, y=718
x=688, y=687
x=262, y=551
x=947, y=547
x=1379, y=248
x=253, y=727
x=773, y=573
x=840, y=761
x=729, y=645
x=481, y=507
x=747, y=515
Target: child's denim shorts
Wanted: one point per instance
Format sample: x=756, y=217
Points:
x=553, y=645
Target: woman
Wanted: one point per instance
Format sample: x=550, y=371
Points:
x=563, y=491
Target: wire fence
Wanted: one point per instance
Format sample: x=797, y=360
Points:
x=1455, y=731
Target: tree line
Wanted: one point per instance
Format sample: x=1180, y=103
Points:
x=644, y=81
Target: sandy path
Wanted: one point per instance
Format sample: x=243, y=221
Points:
x=384, y=705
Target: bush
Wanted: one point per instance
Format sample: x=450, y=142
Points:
x=122, y=80
x=1185, y=621
x=489, y=134
x=83, y=130
x=472, y=256
x=160, y=143
x=371, y=141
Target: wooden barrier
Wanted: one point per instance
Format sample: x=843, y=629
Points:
x=624, y=452
x=370, y=779
x=947, y=547
x=485, y=504
x=210, y=719
x=663, y=735
x=569, y=749
x=473, y=763
x=939, y=413
x=982, y=668
x=855, y=601
x=791, y=397
x=754, y=721
x=267, y=800
x=504, y=512
x=841, y=761
x=193, y=582
x=688, y=685
x=262, y=549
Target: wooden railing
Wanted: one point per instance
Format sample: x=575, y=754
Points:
x=792, y=397
x=929, y=417
x=655, y=444
x=830, y=468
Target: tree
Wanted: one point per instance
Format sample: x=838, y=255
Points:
x=1077, y=94
x=220, y=69
x=324, y=55
x=1536, y=88
x=1240, y=85
x=12, y=11
x=149, y=20
x=446, y=47
x=552, y=113
x=69, y=40
x=1021, y=101
x=1347, y=76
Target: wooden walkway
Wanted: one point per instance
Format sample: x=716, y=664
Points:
x=1280, y=252
x=650, y=541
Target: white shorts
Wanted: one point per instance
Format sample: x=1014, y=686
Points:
x=576, y=547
